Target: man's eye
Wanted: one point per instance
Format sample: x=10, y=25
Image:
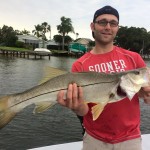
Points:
x=102, y=22
x=114, y=23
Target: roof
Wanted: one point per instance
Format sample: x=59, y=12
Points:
x=28, y=38
x=84, y=41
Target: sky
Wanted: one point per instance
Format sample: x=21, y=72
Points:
x=25, y=14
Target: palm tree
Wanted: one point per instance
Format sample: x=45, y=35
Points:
x=37, y=31
x=46, y=28
x=64, y=28
x=25, y=32
x=41, y=30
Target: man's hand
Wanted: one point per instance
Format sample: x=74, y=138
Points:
x=74, y=99
x=145, y=94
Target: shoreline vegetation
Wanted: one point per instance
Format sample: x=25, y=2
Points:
x=13, y=48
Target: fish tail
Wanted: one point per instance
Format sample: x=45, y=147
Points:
x=6, y=114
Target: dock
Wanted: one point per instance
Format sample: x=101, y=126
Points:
x=25, y=54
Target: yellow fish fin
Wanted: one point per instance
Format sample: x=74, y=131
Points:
x=6, y=114
x=50, y=72
x=97, y=110
x=42, y=106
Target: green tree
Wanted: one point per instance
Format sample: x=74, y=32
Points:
x=18, y=32
x=58, y=39
x=41, y=30
x=8, y=36
x=25, y=32
x=64, y=28
x=46, y=28
x=135, y=39
x=37, y=31
x=1, y=38
x=68, y=39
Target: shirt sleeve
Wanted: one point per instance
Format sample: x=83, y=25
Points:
x=140, y=62
x=76, y=67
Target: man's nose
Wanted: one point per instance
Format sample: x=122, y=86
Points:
x=108, y=25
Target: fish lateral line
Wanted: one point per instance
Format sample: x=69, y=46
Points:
x=58, y=91
x=78, y=85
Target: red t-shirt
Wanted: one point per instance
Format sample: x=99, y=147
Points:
x=119, y=121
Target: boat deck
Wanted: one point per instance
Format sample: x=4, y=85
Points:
x=78, y=145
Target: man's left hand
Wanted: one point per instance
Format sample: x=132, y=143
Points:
x=145, y=94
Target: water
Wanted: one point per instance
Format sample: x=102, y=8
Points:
x=55, y=126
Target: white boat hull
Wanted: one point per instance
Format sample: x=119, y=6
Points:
x=78, y=145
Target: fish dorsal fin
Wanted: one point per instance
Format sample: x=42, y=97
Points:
x=97, y=110
x=42, y=106
x=50, y=72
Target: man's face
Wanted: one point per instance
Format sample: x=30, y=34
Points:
x=105, y=28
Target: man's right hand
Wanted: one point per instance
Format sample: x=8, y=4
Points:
x=73, y=99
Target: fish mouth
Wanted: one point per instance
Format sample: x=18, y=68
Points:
x=121, y=92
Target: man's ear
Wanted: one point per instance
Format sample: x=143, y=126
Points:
x=92, y=26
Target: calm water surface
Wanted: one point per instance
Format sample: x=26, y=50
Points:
x=55, y=126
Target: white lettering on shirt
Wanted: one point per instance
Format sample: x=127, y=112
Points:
x=109, y=67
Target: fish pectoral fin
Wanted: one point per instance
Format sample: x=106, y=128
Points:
x=97, y=110
x=42, y=106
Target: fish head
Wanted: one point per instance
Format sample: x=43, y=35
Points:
x=132, y=82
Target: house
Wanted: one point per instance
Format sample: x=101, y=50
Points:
x=84, y=41
x=80, y=45
x=30, y=40
x=36, y=42
x=51, y=44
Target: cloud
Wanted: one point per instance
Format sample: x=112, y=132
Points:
x=24, y=14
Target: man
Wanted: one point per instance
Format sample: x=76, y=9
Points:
x=118, y=127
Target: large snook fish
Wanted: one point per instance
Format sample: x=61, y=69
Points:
x=99, y=88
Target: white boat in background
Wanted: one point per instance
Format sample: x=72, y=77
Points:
x=42, y=50
x=78, y=145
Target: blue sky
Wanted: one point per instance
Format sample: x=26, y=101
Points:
x=24, y=14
